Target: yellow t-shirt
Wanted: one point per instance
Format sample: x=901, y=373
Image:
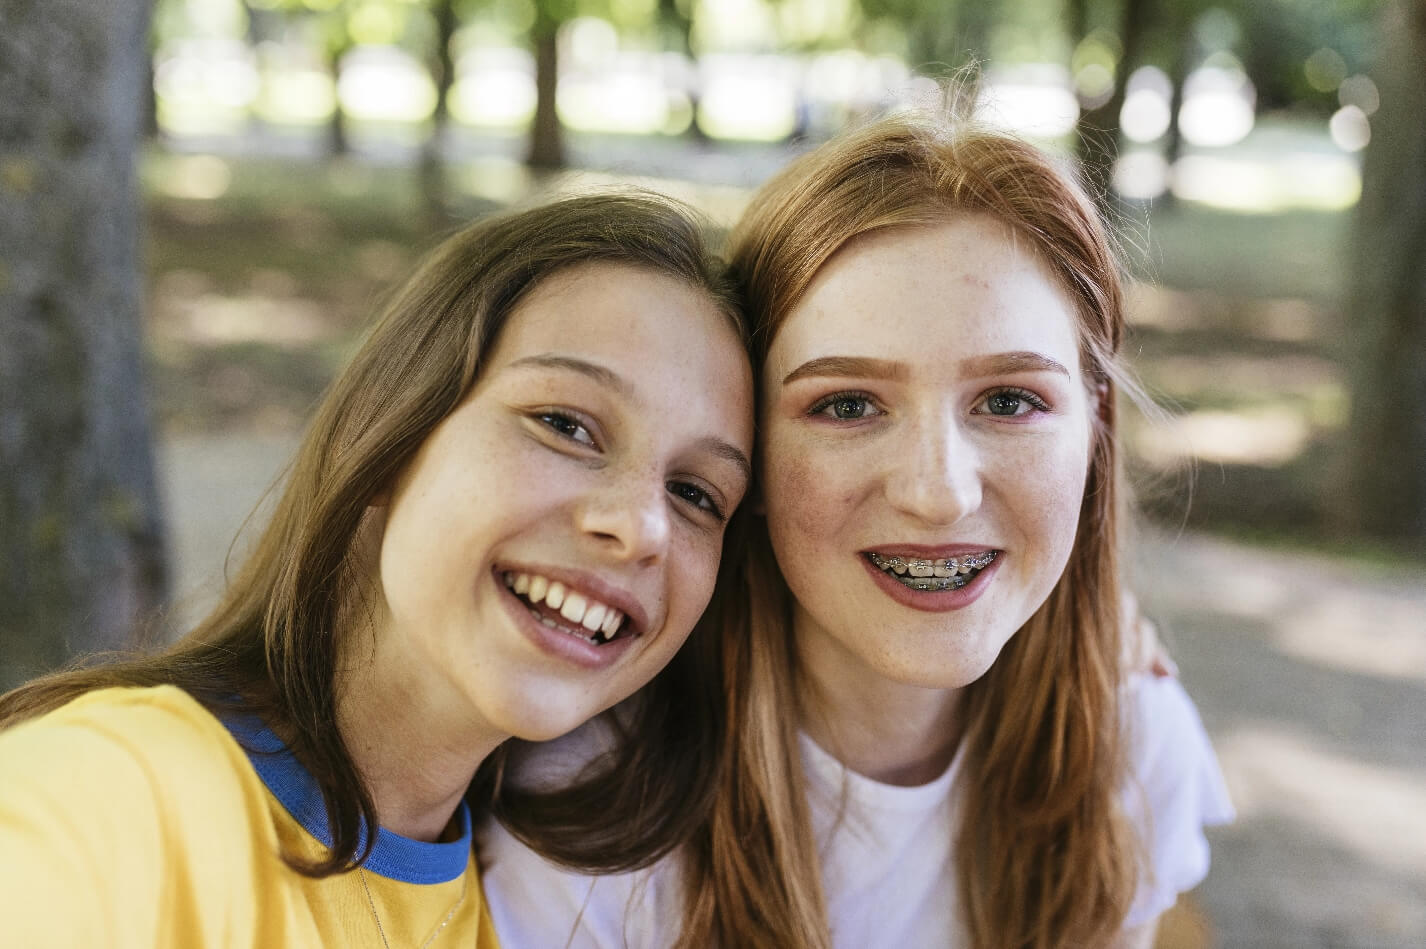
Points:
x=133, y=818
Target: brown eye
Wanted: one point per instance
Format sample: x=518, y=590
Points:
x=566, y=427
x=696, y=496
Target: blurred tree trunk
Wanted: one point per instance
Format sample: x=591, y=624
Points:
x=546, y=135
x=1185, y=53
x=338, y=141
x=81, y=559
x=1077, y=19
x=931, y=38
x=433, y=168
x=1386, y=490
x=677, y=18
x=1098, y=129
x=973, y=25
x=149, y=92
x=259, y=30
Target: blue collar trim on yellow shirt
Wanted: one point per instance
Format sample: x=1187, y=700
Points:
x=394, y=856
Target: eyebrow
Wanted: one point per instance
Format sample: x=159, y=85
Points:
x=728, y=452
x=859, y=366
x=601, y=374
x=864, y=367
x=1002, y=364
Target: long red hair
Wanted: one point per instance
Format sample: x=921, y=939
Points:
x=1045, y=858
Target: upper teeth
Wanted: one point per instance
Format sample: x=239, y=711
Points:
x=579, y=608
x=935, y=568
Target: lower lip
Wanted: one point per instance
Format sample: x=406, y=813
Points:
x=939, y=601
x=556, y=643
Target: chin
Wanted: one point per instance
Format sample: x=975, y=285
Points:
x=541, y=720
x=942, y=671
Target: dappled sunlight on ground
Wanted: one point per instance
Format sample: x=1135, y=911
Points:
x=1284, y=773
x=1251, y=390
x=1266, y=435
x=1366, y=633
x=195, y=177
x=187, y=310
x=1310, y=673
x=1251, y=376
x=1226, y=405
x=1280, y=319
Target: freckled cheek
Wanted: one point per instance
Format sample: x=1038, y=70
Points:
x=807, y=494
x=691, y=580
x=1051, y=494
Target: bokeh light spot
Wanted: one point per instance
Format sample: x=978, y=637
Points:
x=1361, y=92
x=1325, y=69
x=1350, y=128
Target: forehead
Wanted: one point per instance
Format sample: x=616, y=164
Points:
x=618, y=309
x=660, y=336
x=927, y=294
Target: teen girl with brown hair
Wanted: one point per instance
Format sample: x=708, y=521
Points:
x=506, y=517
x=932, y=739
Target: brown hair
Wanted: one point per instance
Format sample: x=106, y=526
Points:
x=272, y=645
x=1044, y=856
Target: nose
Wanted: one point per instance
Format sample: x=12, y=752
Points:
x=629, y=518
x=935, y=475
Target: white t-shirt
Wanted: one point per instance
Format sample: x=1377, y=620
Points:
x=887, y=851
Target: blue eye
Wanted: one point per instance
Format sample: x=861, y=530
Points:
x=696, y=496
x=845, y=406
x=1011, y=403
x=1003, y=404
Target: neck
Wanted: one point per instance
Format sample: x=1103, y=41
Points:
x=416, y=754
x=889, y=731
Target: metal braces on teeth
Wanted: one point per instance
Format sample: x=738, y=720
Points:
x=926, y=569
x=938, y=584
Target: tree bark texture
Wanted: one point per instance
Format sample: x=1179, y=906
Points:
x=81, y=558
x=1386, y=313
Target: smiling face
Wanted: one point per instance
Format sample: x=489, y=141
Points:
x=592, y=469
x=926, y=445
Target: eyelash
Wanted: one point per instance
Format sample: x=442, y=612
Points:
x=552, y=420
x=712, y=505
x=821, y=406
x=1024, y=395
x=558, y=421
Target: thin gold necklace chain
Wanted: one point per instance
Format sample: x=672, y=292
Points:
x=381, y=930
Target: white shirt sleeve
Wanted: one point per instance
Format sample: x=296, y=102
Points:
x=536, y=904
x=1175, y=790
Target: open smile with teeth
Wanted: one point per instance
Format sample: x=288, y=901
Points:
x=934, y=576
x=559, y=607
